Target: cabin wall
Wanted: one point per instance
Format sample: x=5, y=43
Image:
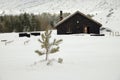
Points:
x=78, y=24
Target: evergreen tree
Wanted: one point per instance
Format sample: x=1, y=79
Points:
x=1, y=27
x=7, y=21
x=33, y=23
x=49, y=47
x=17, y=25
x=26, y=22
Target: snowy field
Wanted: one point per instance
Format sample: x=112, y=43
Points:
x=84, y=58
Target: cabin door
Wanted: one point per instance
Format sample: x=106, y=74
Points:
x=86, y=29
x=69, y=29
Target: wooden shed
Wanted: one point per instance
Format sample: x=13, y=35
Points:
x=77, y=23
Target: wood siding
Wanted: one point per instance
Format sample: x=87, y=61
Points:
x=78, y=24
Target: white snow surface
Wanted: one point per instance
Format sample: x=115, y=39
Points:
x=84, y=58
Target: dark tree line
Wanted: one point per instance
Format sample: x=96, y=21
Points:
x=28, y=22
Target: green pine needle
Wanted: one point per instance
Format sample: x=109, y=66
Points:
x=39, y=53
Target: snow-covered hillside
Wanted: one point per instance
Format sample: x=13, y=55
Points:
x=57, y=5
x=84, y=58
x=105, y=11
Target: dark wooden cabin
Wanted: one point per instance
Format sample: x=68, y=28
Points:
x=77, y=23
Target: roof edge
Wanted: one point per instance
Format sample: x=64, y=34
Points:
x=60, y=22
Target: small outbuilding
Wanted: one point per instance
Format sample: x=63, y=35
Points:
x=77, y=23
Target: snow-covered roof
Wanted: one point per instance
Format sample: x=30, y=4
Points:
x=60, y=22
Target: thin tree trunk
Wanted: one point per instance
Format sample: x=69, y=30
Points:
x=46, y=55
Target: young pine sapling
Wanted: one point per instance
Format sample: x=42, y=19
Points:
x=49, y=47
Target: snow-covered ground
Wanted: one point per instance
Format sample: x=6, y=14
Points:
x=84, y=58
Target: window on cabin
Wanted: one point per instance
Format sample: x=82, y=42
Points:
x=78, y=27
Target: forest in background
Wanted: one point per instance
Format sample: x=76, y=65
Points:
x=28, y=22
